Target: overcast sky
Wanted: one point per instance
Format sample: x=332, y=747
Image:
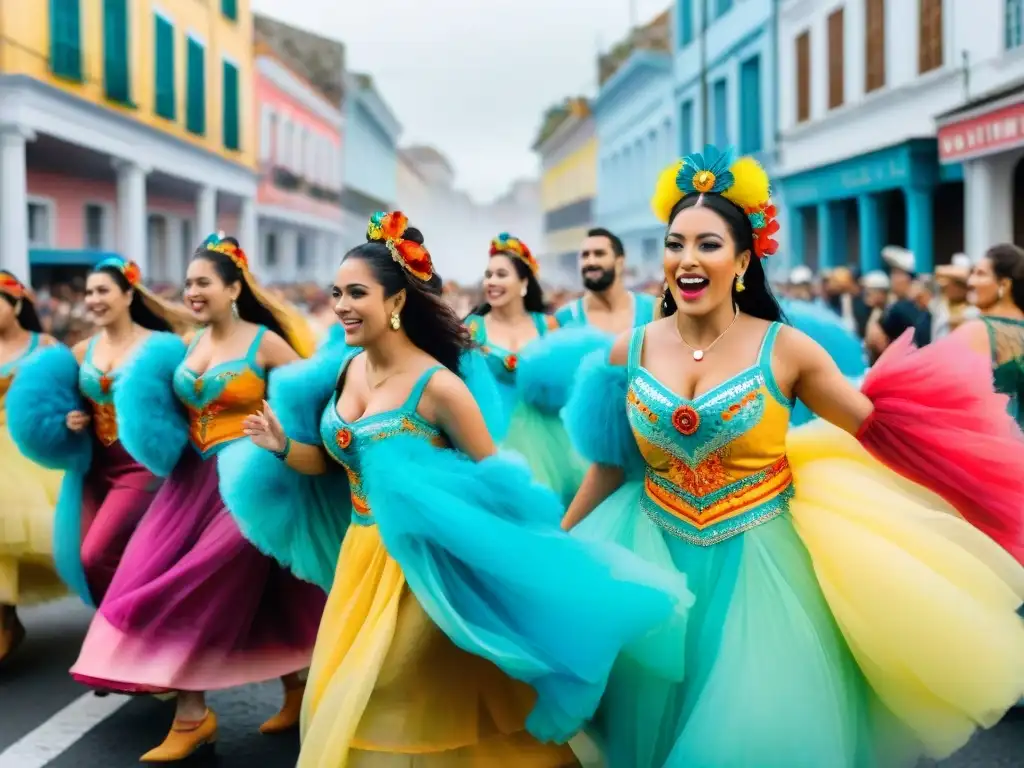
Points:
x=472, y=77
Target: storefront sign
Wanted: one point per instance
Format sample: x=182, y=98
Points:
x=999, y=130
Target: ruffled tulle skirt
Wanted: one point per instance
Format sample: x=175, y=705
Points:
x=865, y=628
x=27, y=501
x=388, y=688
x=540, y=438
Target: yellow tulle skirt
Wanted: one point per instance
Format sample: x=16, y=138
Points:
x=27, y=501
x=388, y=689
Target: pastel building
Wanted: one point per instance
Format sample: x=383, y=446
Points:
x=299, y=93
x=123, y=129
x=634, y=118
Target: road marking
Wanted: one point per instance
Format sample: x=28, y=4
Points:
x=54, y=737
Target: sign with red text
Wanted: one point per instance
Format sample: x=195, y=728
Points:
x=1001, y=129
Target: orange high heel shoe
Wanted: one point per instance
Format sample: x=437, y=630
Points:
x=290, y=712
x=184, y=739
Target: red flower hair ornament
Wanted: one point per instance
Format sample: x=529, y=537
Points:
x=390, y=228
x=763, y=221
x=219, y=244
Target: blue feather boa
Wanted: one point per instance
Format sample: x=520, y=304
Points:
x=152, y=423
x=548, y=366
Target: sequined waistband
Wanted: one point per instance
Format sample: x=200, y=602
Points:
x=720, y=514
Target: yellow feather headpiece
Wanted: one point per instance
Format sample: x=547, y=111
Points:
x=742, y=182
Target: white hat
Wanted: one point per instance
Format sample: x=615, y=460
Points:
x=876, y=279
x=959, y=268
x=962, y=261
x=801, y=275
x=899, y=258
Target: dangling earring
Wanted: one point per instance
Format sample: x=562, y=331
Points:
x=18, y=306
x=740, y=287
x=1000, y=293
x=396, y=321
x=234, y=309
x=522, y=293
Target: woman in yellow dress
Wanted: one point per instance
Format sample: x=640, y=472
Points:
x=27, y=573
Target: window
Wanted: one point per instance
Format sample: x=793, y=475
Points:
x=750, y=105
x=66, y=39
x=929, y=52
x=229, y=8
x=298, y=150
x=874, y=41
x=231, y=107
x=720, y=99
x=195, y=83
x=803, y=77
x=269, y=255
x=686, y=143
x=301, y=252
x=835, y=59
x=267, y=121
x=685, y=22
x=116, y=78
x=95, y=227
x=1014, y=23
x=187, y=238
x=39, y=222
x=164, y=69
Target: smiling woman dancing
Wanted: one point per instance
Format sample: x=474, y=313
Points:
x=463, y=627
x=843, y=618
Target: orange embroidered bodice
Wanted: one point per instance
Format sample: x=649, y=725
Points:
x=716, y=464
x=97, y=388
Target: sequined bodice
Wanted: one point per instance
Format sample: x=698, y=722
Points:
x=8, y=369
x=503, y=362
x=1006, y=341
x=97, y=388
x=344, y=441
x=716, y=464
x=219, y=399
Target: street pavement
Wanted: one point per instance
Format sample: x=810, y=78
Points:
x=48, y=721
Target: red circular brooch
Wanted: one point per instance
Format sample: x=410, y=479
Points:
x=343, y=438
x=511, y=363
x=686, y=420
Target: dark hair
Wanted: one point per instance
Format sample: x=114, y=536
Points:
x=757, y=300
x=533, y=301
x=27, y=318
x=1008, y=264
x=249, y=307
x=615, y=240
x=427, y=319
x=139, y=310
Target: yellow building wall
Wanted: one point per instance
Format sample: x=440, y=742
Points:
x=571, y=180
x=25, y=50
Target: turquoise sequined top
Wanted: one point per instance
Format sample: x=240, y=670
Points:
x=1006, y=342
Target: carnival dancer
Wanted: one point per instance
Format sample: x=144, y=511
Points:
x=63, y=415
x=463, y=627
x=193, y=605
x=606, y=304
x=514, y=332
x=27, y=572
x=839, y=620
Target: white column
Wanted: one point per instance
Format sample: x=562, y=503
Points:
x=177, y=253
x=287, y=254
x=325, y=265
x=988, y=203
x=132, y=227
x=206, y=213
x=14, y=200
x=248, y=231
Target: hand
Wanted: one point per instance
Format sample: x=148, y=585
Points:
x=77, y=421
x=265, y=430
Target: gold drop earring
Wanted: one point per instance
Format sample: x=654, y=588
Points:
x=396, y=321
x=740, y=287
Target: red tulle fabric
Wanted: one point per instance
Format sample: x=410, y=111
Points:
x=938, y=422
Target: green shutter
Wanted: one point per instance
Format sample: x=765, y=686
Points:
x=164, y=70
x=66, y=39
x=116, y=77
x=230, y=101
x=230, y=9
x=195, y=108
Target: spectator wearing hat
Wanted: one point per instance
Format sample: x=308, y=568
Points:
x=801, y=284
x=951, y=309
x=902, y=314
x=842, y=296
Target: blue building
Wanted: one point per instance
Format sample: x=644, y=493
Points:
x=635, y=125
x=370, y=149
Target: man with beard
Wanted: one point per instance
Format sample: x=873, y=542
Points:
x=606, y=304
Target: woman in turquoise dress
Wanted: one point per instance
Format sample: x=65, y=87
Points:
x=841, y=618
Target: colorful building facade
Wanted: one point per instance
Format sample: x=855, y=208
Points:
x=568, y=151
x=123, y=129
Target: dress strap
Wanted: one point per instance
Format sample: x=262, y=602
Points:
x=89, y=348
x=540, y=322
x=636, y=350
x=413, y=401
x=195, y=339
x=764, y=357
x=254, y=348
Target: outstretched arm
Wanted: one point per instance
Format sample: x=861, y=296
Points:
x=819, y=383
x=265, y=431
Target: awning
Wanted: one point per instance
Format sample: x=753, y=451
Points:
x=990, y=124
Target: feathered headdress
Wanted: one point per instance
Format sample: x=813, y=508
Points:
x=129, y=269
x=516, y=248
x=11, y=286
x=219, y=244
x=175, y=315
x=743, y=182
x=389, y=228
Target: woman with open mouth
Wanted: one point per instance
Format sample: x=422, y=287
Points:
x=842, y=618
x=65, y=416
x=29, y=489
x=193, y=605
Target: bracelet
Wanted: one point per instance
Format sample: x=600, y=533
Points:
x=283, y=453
